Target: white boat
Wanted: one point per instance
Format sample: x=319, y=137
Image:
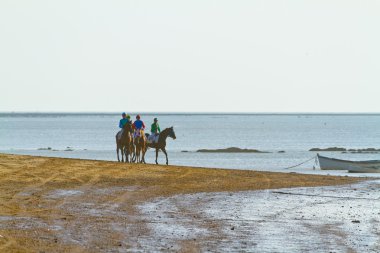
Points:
x=326, y=163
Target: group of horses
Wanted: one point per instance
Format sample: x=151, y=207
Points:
x=134, y=148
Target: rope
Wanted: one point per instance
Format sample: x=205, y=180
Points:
x=300, y=163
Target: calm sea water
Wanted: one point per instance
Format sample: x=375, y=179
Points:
x=92, y=136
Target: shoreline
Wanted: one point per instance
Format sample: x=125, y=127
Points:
x=265, y=162
x=46, y=202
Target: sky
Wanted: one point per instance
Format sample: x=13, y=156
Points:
x=190, y=56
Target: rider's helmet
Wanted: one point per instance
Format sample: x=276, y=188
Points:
x=155, y=119
x=123, y=114
x=128, y=116
x=138, y=116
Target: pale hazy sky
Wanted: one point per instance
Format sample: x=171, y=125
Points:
x=191, y=56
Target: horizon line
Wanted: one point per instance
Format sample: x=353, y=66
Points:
x=191, y=113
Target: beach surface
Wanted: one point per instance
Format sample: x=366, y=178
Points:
x=72, y=205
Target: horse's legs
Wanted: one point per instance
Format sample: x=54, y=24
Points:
x=117, y=152
x=122, y=154
x=143, y=154
x=132, y=152
x=126, y=153
x=134, y=156
x=166, y=154
x=156, y=155
x=137, y=154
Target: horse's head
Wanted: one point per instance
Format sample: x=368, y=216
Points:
x=171, y=133
x=128, y=127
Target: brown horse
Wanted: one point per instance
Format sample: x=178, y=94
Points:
x=140, y=146
x=124, y=142
x=161, y=143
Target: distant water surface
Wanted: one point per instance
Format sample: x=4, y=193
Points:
x=92, y=136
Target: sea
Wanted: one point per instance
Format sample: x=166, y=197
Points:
x=285, y=139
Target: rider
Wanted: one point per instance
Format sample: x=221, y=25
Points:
x=138, y=125
x=155, y=130
x=124, y=120
x=129, y=118
x=122, y=123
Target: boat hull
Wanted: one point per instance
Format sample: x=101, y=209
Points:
x=326, y=163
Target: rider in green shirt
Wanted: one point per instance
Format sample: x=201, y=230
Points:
x=155, y=128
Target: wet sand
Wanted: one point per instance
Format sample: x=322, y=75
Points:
x=71, y=205
x=316, y=219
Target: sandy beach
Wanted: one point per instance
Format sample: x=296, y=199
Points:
x=258, y=121
x=72, y=205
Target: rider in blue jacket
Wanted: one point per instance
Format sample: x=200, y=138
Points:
x=124, y=120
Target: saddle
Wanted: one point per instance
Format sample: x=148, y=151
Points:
x=153, y=138
x=138, y=133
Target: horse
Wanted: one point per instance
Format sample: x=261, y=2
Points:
x=140, y=146
x=124, y=142
x=161, y=143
